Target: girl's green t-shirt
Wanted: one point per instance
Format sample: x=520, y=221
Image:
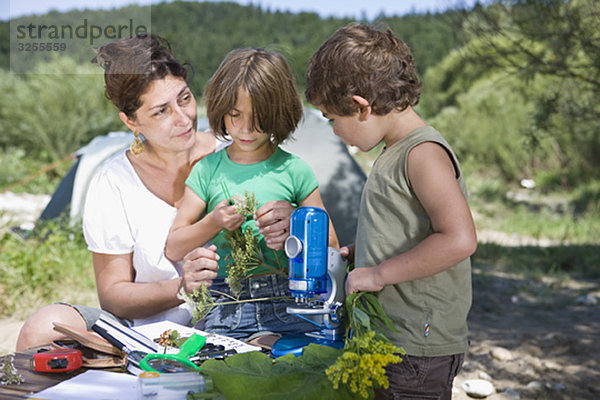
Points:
x=283, y=176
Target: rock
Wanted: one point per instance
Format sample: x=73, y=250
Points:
x=528, y=183
x=511, y=394
x=478, y=388
x=501, y=354
x=558, y=386
x=536, y=386
x=551, y=365
x=484, y=375
x=588, y=300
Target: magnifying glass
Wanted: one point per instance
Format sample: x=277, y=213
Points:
x=169, y=363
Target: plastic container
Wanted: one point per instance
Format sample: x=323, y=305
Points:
x=173, y=386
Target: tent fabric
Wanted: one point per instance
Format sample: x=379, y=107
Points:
x=340, y=178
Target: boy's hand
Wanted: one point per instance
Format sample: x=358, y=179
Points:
x=225, y=216
x=199, y=267
x=348, y=253
x=273, y=221
x=363, y=280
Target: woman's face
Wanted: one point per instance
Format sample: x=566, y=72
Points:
x=168, y=115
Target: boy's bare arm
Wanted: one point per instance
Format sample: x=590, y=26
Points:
x=433, y=178
x=187, y=232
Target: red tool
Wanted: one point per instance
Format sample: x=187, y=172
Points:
x=57, y=360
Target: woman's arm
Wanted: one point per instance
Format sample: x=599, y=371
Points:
x=120, y=295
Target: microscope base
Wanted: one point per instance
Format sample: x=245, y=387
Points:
x=295, y=344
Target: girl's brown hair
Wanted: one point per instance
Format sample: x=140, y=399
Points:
x=360, y=60
x=266, y=77
x=131, y=65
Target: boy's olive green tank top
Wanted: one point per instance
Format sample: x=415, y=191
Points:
x=431, y=312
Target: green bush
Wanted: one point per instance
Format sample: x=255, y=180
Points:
x=55, y=110
x=52, y=265
x=23, y=174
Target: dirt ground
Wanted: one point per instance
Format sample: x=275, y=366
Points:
x=533, y=340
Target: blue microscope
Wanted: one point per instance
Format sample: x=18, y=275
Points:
x=317, y=275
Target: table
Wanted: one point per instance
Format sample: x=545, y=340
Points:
x=33, y=382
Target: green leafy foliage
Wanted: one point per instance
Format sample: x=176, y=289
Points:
x=21, y=173
x=245, y=252
x=224, y=26
x=245, y=256
x=55, y=110
x=52, y=265
x=200, y=301
x=255, y=375
x=367, y=351
x=548, y=50
x=8, y=373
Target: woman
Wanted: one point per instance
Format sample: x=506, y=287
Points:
x=133, y=198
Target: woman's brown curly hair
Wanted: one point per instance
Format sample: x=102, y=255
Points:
x=131, y=65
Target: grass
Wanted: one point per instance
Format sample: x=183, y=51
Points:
x=52, y=265
x=16, y=167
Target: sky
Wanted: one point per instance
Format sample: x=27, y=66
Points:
x=325, y=8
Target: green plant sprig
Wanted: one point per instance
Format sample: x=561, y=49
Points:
x=8, y=373
x=245, y=253
x=367, y=351
x=201, y=301
x=245, y=256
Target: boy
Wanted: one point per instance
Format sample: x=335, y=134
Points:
x=415, y=231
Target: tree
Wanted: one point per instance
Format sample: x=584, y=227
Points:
x=560, y=41
x=54, y=110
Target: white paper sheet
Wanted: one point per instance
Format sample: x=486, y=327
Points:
x=155, y=329
x=93, y=385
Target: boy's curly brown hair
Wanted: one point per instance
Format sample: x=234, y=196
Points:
x=361, y=60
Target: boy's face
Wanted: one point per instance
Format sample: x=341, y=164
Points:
x=353, y=130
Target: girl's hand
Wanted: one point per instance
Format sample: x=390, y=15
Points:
x=225, y=216
x=273, y=221
x=199, y=267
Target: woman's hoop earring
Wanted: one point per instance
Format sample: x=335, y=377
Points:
x=136, y=147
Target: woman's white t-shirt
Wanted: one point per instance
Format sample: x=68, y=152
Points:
x=121, y=216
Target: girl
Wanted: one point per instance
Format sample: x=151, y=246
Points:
x=253, y=100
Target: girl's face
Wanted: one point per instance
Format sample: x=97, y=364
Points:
x=168, y=115
x=239, y=123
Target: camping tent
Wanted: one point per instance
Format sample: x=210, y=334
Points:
x=340, y=178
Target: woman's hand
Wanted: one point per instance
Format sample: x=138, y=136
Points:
x=200, y=267
x=225, y=216
x=273, y=221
